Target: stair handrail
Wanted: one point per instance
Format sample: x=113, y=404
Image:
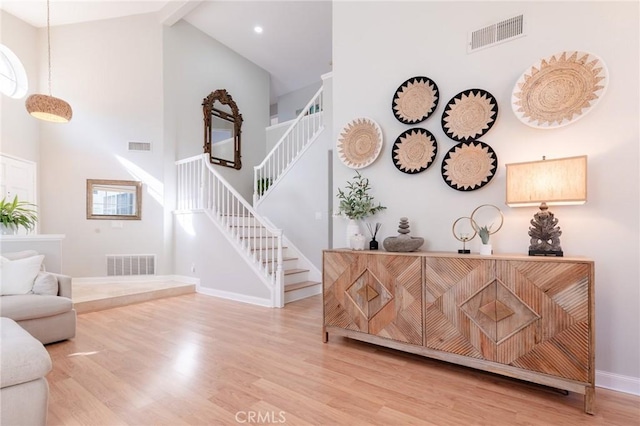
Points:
x=211, y=193
x=284, y=152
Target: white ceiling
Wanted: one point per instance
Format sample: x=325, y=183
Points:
x=295, y=47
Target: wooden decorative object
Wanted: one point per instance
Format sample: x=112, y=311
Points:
x=222, y=116
x=518, y=316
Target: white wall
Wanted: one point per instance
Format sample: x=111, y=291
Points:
x=202, y=251
x=297, y=202
x=291, y=102
x=274, y=134
x=110, y=72
x=196, y=65
x=19, y=132
x=127, y=79
x=396, y=41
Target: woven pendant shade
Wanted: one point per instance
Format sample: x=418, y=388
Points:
x=49, y=108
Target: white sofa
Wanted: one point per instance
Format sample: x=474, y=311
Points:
x=39, y=301
x=24, y=391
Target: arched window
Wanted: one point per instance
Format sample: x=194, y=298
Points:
x=13, y=77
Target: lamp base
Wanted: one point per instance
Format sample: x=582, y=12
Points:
x=545, y=234
x=550, y=253
x=464, y=251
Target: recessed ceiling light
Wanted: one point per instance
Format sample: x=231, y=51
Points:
x=257, y=29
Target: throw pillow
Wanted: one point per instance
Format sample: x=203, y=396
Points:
x=18, y=275
x=16, y=255
x=46, y=284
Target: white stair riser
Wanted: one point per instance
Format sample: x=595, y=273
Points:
x=240, y=220
x=264, y=243
x=286, y=264
x=268, y=254
x=302, y=293
x=296, y=278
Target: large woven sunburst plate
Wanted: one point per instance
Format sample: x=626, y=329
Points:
x=469, y=165
x=469, y=115
x=559, y=89
x=415, y=100
x=360, y=143
x=414, y=150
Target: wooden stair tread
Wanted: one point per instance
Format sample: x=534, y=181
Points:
x=284, y=259
x=266, y=248
x=297, y=286
x=294, y=271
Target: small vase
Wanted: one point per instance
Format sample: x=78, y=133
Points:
x=357, y=242
x=486, y=249
x=353, y=228
x=373, y=244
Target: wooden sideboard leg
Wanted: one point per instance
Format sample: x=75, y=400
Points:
x=590, y=400
x=325, y=335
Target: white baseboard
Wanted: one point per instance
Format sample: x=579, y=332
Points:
x=618, y=382
x=136, y=278
x=234, y=296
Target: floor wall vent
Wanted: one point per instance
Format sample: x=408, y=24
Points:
x=491, y=35
x=139, y=146
x=131, y=264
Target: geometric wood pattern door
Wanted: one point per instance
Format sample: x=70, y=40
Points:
x=375, y=294
x=528, y=314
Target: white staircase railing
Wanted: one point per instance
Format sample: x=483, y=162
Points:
x=297, y=137
x=201, y=188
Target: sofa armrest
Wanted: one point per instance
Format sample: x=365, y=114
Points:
x=64, y=285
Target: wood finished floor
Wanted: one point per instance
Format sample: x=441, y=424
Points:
x=90, y=297
x=199, y=360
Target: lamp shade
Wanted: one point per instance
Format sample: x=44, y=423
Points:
x=559, y=181
x=49, y=108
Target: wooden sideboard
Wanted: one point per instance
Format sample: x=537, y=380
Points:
x=530, y=318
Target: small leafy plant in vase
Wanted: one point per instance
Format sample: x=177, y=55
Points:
x=356, y=203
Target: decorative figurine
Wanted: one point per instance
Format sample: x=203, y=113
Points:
x=464, y=236
x=545, y=235
x=403, y=242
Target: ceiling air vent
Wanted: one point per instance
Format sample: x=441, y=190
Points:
x=506, y=30
x=140, y=146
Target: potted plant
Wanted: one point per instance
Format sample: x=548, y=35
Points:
x=356, y=203
x=485, y=233
x=14, y=214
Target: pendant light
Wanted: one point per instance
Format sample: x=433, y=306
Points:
x=47, y=107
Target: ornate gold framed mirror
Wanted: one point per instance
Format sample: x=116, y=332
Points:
x=114, y=199
x=222, y=128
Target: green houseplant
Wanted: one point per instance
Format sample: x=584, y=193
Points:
x=16, y=213
x=262, y=185
x=355, y=201
x=484, y=233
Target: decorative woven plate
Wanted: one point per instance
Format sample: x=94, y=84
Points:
x=469, y=165
x=469, y=115
x=360, y=143
x=415, y=100
x=559, y=90
x=414, y=151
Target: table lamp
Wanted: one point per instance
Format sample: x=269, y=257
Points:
x=561, y=181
